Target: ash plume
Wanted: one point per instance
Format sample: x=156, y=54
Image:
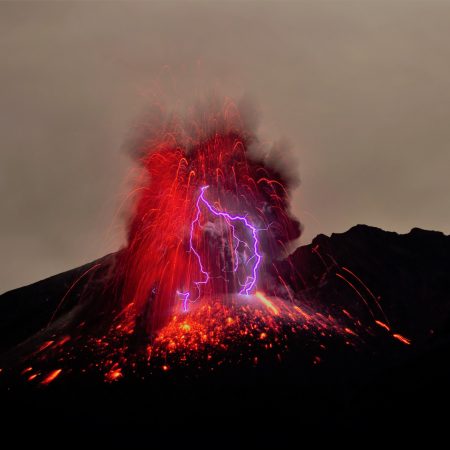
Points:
x=190, y=125
x=209, y=153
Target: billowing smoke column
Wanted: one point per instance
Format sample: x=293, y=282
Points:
x=210, y=214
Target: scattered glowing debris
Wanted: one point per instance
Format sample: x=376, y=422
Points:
x=382, y=325
x=26, y=370
x=402, y=339
x=266, y=302
x=205, y=337
x=300, y=310
x=64, y=340
x=51, y=376
x=349, y=331
x=347, y=314
x=45, y=345
x=114, y=374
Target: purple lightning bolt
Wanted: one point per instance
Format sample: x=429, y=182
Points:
x=250, y=280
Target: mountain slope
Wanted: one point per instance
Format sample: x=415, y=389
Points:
x=379, y=386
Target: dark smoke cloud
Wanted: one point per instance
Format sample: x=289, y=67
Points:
x=213, y=113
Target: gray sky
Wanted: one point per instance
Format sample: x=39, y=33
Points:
x=360, y=89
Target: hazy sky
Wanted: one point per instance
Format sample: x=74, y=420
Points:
x=360, y=89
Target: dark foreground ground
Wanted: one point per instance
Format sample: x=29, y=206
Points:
x=380, y=392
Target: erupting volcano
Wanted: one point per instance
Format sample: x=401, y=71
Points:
x=204, y=270
x=208, y=295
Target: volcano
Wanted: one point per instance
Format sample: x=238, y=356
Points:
x=362, y=349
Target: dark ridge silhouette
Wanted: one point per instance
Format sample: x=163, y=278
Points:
x=26, y=310
x=409, y=272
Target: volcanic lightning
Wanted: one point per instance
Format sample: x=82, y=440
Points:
x=254, y=259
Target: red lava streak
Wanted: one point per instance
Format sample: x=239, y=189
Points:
x=51, y=376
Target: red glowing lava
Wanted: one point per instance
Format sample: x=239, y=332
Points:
x=168, y=258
